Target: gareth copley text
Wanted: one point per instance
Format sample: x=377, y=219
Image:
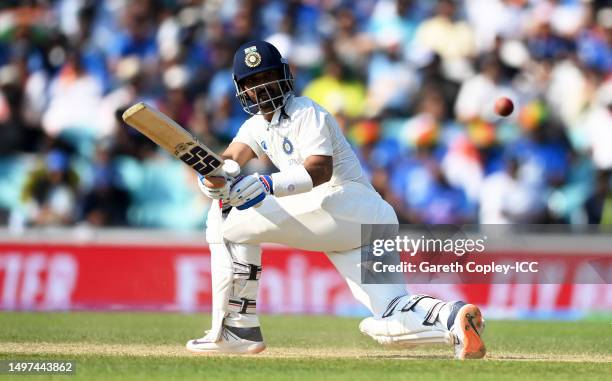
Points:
x=469, y=267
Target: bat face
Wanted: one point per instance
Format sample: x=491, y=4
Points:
x=173, y=138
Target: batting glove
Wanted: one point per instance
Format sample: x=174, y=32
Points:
x=220, y=193
x=231, y=168
x=248, y=191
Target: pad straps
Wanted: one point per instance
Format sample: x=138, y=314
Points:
x=432, y=307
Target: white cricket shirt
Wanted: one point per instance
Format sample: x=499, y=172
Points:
x=304, y=129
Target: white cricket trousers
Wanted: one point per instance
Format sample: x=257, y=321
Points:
x=327, y=219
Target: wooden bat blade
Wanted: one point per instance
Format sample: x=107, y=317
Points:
x=173, y=138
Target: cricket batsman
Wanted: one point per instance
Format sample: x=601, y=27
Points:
x=318, y=201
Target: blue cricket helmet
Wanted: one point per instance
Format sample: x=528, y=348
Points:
x=256, y=57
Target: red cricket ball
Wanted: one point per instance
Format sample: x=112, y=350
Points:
x=504, y=106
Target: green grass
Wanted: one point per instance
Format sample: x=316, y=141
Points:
x=136, y=346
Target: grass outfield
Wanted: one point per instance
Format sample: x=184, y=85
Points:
x=147, y=346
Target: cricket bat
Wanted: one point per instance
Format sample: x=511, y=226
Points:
x=169, y=135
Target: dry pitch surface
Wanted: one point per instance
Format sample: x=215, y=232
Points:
x=150, y=346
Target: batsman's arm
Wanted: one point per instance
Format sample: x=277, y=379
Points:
x=216, y=186
x=248, y=191
x=239, y=152
x=320, y=168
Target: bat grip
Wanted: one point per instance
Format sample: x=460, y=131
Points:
x=230, y=168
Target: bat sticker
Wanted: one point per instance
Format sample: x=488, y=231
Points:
x=198, y=158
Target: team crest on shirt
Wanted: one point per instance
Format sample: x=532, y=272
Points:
x=287, y=146
x=252, y=57
x=264, y=145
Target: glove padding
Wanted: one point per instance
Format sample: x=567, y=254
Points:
x=230, y=168
x=248, y=191
x=220, y=193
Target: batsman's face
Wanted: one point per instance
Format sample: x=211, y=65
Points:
x=262, y=87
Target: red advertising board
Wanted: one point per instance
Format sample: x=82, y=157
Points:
x=36, y=276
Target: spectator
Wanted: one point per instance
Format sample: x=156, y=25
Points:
x=495, y=18
x=350, y=45
x=506, y=197
x=176, y=103
x=595, y=43
x=136, y=36
x=446, y=34
x=337, y=93
x=391, y=83
x=50, y=192
x=543, y=43
x=477, y=94
x=445, y=203
x=11, y=120
x=131, y=86
x=412, y=83
x=412, y=182
x=599, y=128
x=462, y=168
x=600, y=198
x=433, y=77
x=107, y=202
x=74, y=98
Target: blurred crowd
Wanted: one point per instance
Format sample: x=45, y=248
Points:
x=411, y=82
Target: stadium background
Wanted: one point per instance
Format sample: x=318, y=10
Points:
x=412, y=84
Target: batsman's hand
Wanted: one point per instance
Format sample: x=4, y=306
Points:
x=218, y=187
x=248, y=191
x=214, y=187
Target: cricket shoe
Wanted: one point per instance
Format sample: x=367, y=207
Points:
x=467, y=331
x=233, y=340
x=404, y=329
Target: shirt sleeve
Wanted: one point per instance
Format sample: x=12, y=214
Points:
x=315, y=136
x=245, y=136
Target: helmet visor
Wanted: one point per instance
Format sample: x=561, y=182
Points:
x=265, y=98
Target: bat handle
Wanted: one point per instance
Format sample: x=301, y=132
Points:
x=230, y=168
